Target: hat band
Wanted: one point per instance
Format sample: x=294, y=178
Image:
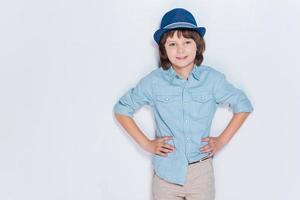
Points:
x=180, y=25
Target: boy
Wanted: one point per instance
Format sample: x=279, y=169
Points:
x=184, y=96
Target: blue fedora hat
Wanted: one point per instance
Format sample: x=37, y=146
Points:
x=177, y=18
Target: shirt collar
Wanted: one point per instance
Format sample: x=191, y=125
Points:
x=196, y=71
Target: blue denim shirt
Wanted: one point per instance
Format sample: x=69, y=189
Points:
x=183, y=109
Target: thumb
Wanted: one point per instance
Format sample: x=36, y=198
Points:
x=167, y=138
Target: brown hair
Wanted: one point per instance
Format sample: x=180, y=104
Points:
x=187, y=33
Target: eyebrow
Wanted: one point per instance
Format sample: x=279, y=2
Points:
x=175, y=41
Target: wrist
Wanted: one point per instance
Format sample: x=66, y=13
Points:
x=145, y=143
x=223, y=139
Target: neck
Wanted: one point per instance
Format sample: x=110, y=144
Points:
x=183, y=72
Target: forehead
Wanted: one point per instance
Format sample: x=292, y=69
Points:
x=177, y=35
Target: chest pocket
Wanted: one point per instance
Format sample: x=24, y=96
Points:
x=201, y=105
x=167, y=106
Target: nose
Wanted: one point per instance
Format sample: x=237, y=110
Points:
x=180, y=49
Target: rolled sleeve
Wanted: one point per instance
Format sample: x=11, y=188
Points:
x=226, y=93
x=135, y=98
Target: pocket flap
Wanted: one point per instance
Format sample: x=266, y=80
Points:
x=202, y=97
x=166, y=98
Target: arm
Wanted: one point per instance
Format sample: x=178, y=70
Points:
x=233, y=126
x=215, y=144
x=133, y=130
x=156, y=146
x=226, y=93
x=124, y=110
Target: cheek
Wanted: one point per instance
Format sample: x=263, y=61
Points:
x=171, y=53
x=193, y=51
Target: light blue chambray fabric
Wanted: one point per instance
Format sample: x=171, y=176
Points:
x=183, y=109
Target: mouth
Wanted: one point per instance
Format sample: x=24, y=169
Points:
x=181, y=58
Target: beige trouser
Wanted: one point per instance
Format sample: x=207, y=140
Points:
x=200, y=184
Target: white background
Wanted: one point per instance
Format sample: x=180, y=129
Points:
x=64, y=64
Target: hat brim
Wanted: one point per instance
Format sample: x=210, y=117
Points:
x=158, y=34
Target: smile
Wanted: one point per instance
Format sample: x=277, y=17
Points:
x=181, y=58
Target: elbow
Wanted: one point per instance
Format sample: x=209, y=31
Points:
x=120, y=116
x=242, y=114
x=117, y=116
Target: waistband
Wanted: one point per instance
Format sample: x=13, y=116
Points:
x=203, y=159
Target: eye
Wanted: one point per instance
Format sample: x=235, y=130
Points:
x=171, y=44
x=188, y=42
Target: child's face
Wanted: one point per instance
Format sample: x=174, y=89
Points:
x=181, y=51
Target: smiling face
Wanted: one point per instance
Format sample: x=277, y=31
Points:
x=181, y=51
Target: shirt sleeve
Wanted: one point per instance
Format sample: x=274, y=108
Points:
x=135, y=98
x=226, y=93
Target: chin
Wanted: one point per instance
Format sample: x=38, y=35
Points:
x=182, y=65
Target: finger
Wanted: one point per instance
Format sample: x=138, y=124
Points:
x=168, y=146
x=165, y=150
x=161, y=154
x=206, y=139
x=207, y=149
x=166, y=138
